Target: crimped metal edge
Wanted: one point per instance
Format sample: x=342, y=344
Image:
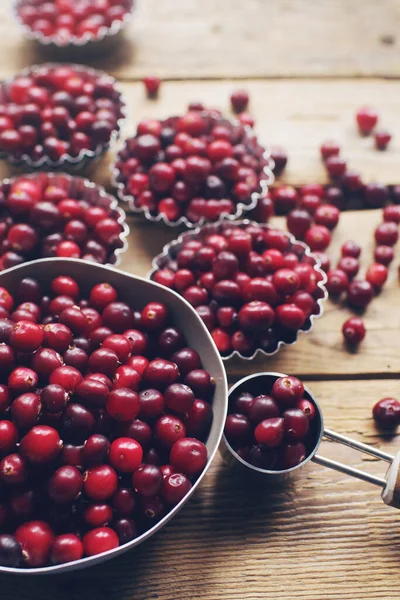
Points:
x=85, y=156
x=268, y=180
x=74, y=42
x=157, y=260
x=113, y=207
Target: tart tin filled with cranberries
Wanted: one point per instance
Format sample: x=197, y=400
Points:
x=113, y=400
x=73, y=23
x=275, y=426
x=58, y=115
x=46, y=214
x=191, y=169
x=254, y=286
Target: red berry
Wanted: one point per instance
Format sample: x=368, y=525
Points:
x=123, y=404
x=367, y=119
x=65, y=484
x=66, y=548
x=387, y=234
x=336, y=167
x=287, y=390
x=41, y=444
x=99, y=540
x=239, y=100
x=100, y=483
x=386, y=413
x=270, y=432
x=329, y=148
x=318, y=237
x=360, y=293
x=125, y=455
x=152, y=85
x=382, y=139
x=36, y=538
x=351, y=249
x=353, y=331
x=384, y=255
x=188, y=456
x=376, y=275
x=337, y=282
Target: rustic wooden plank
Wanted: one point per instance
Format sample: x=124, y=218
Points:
x=204, y=38
x=298, y=115
x=323, y=536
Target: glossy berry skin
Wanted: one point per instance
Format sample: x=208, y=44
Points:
x=66, y=548
x=168, y=429
x=152, y=86
x=349, y=265
x=337, y=282
x=307, y=407
x=287, y=390
x=360, y=293
x=65, y=484
x=329, y=148
x=296, y=424
x=377, y=275
x=386, y=413
x=353, y=331
x=367, y=119
x=384, y=255
x=175, y=487
x=41, y=444
x=351, y=248
x=8, y=437
x=336, y=167
x=147, y=480
x=123, y=404
x=239, y=100
x=99, y=540
x=35, y=538
x=391, y=213
x=387, y=234
x=188, y=456
x=270, y=432
x=179, y=398
x=26, y=336
x=292, y=455
x=100, y=483
x=125, y=455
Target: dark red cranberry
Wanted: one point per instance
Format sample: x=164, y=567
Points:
x=337, y=281
x=336, y=167
x=360, y=293
x=35, y=539
x=99, y=540
x=384, y=255
x=287, y=390
x=41, y=444
x=376, y=275
x=66, y=548
x=125, y=455
x=329, y=148
x=386, y=413
x=100, y=482
x=366, y=118
x=13, y=469
x=349, y=265
x=169, y=429
x=387, y=234
x=238, y=428
x=351, y=249
x=188, y=456
x=175, y=487
x=263, y=407
x=65, y=484
x=270, y=432
x=292, y=455
x=95, y=450
x=298, y=222
x=353, y=331
x=25, y=410
x=382, y=139
x=77, y=422
x=307, y=407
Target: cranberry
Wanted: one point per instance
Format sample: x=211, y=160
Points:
x=22, y=380
x=239, y=100
x=296, y=424
x=175, y=487
x=124, y=501
x=287, y=390
x=7, y=358
x=256, y=315
x=329, y=148
x=237, y=428
x=387, y=234
x=41, y=444
x=152, y=86
x=376, y=195
x=337, y=282
x=285, y=199
x=100, y=483
x=263, y=407
x=25, y=410
x=382, y=139
x=13, y=469
x=366, y=118
x=318, y=237
x=65, y=484
x=127, y=377
x=307, y=407
x=35, y=538
x=292, y=455
x=360, y=293
x=336, y=167
x=349, y=265
x=392, y=214
x=351, y=249
x=327, y=215
x=285, y=281
x=384, y=255
x=280, y=159
x=270, y=432
x=125, y=455
x=188, y=456
x=298, y=222
x=77, y=422
x=66, y=548
x=386, y=413
x=169, y=429
x=123, y=404
x=222, y=340
x=376, y=275
x=8, y=437
x=118, y=316
x=198, y=419
x=67, y=377
x=101, y=295
x=99, y=540
x=353, y=331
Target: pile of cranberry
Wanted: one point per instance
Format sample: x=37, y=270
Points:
x=49, y=215
x=198, y=166
x=249, y=283
x=52, y=112
x=65, y=21
x=103, y=414
x=274, y=429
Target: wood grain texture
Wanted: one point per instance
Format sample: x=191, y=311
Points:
x=323, y=536
x=229, y=38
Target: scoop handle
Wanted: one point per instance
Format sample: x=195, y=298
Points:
x=391, y=492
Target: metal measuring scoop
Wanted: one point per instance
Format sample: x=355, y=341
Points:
x=390, y=484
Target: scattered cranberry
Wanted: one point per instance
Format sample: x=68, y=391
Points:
x=376, y=275
x=384, y=255
x=386, y=413
x=367, y=119
x=382, y=139
x=336, y=167
x=99, y=540
x=152, y=86
x=354, y=331
x=387, y=234
x=329, y=148
x=351, y=248
x=280, y=158
x=239, y=100
x=337, y=282
x=360, y=293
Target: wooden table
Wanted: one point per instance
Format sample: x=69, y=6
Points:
x=308, y=66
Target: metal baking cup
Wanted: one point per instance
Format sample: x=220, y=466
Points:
x=299, y=248
x=94, y=194
x=100, y=41
x=136, y=292
x=66, y=161
x=240, y=206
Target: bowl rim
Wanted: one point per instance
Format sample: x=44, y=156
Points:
x=155, y=266
x=85, y=155
x=74, y=42
x=88, y=184
x=309, y=457
x=241, y=207
x=92, y=560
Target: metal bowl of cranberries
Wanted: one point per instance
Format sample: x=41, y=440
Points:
x=44, y=215
x=58, y=116
x=71, y=25
x=192, y=169
x=255, y=287
x=113, y=400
